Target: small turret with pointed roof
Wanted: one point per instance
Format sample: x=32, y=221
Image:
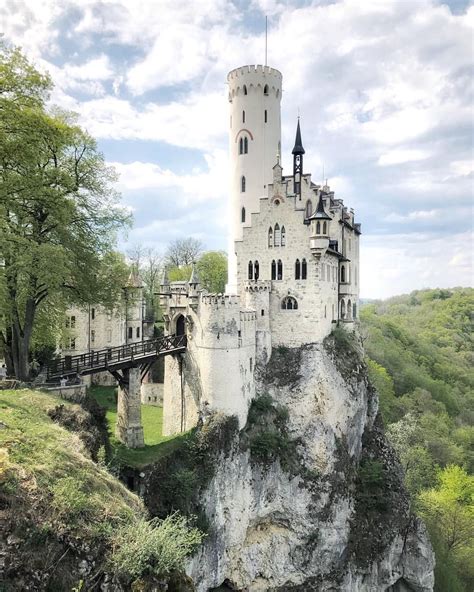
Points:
x=194, y=279
x=298, y=152
x=320, y=213
x=134, y=280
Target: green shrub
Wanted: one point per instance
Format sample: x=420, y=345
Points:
x=70, y=500
x=154, y=547
x=371, y=485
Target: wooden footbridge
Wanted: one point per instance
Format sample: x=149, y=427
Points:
x=141, y=354
x=128, y=364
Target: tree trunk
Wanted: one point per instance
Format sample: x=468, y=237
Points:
x=6, y=346
x=21, y=341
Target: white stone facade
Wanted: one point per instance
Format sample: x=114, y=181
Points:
x=293, y=267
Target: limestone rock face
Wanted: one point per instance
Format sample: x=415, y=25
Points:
x=319, y=526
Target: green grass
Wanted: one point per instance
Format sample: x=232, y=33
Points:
x=156, y=445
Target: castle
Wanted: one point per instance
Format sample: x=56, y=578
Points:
x=293, y=266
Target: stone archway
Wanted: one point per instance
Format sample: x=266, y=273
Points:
x=180, y=325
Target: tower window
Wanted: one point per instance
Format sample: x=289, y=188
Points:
x=277, y=236
x=343, y=274
x=250, y=270
x=289, y=303
x=279, y=270
x=270, y=237
x=256, y=272
x=349, y=309
x=243, y=116
x=138, y=331
x=245, y=89
x=266, y=116
x=343, y=309
x=92, y=313
x=242, y=215
x=246, y=145
x=130, y=332
x=308, y=209
x=265, y=89
x=297, y=269
x=354, y=310
x=304, y=269
x=241, y=146
x=325, y=227
x=318, y=227
x=283, y=236
x=274, y=270
x=242, y=184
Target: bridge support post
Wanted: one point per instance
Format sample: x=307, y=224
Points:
x=129, y=429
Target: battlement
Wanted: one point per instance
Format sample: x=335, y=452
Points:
x=250, y=80
x=260, y=70
x=248, y=315
x=219, y=300
x=258, y=286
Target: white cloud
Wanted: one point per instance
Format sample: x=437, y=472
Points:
x=401, y=156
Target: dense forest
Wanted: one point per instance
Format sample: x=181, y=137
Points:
x=420, y=358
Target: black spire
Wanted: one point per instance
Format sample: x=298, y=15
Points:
x=298, y=152
x=320, y=213
x=298, y=149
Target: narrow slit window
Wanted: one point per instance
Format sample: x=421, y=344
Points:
x=246, y=145
x=242, y=184
x=297, y=270
x=276, y=236
x=270, y=237
x=242, y=215
x=279, y=270
x=283, y=236
x=266, y=116
x=250, y=271
x=274, y=270
x=265, y=89
x=243, y=116
x=256, y=268
x=304, y=270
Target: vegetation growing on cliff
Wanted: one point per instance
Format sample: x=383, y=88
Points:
x=419, y=349
x=66, y=519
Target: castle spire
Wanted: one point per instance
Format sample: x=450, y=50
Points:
x=298, y=152
x=298, y=148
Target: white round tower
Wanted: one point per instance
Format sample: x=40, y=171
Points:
x=254, y=142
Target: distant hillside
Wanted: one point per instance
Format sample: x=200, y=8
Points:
x=420, y=356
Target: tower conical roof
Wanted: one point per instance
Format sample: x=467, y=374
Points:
x=194, y=276
x=320, y=214
x=134, y=280
x=298, y=148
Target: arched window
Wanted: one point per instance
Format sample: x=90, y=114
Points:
x=283, y=236
x=354, y=311
x=265, y=89
x=304, y=270
x=242, y=184
x=297, y=269
x=325, y=227
x=349, y=309
x=241, y=146
x=274, y=270
x=250, y=270
x=343, y=309
x=343, y=274
x=279, y=270
x=289, y=303
x=266, y=116
x=246, y=145
x=243, y=116
x=308, y=209
x=277, y=236
x=270, y=237
x=256, y=270
x=318, y=227
x=245, y=89
x=242, y=215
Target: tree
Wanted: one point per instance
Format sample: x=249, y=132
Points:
x=448, y=511
x=58, y=212
x=183, y=251
x=212, y=269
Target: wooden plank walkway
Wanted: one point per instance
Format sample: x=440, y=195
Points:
x=117, y=358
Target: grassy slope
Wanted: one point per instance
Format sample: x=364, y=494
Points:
x=50, y=490
x=156, y=445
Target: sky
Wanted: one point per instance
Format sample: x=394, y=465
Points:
x=384, y=89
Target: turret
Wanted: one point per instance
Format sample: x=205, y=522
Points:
x=298, y=152
x=254, y=140
x=319, y=220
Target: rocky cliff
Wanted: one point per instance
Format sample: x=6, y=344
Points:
x=310, y=496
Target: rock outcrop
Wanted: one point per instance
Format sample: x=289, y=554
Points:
x=310, y=495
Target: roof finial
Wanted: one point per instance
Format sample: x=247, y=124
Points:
x=298, y=148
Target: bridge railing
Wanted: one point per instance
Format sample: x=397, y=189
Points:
x=113, y=356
